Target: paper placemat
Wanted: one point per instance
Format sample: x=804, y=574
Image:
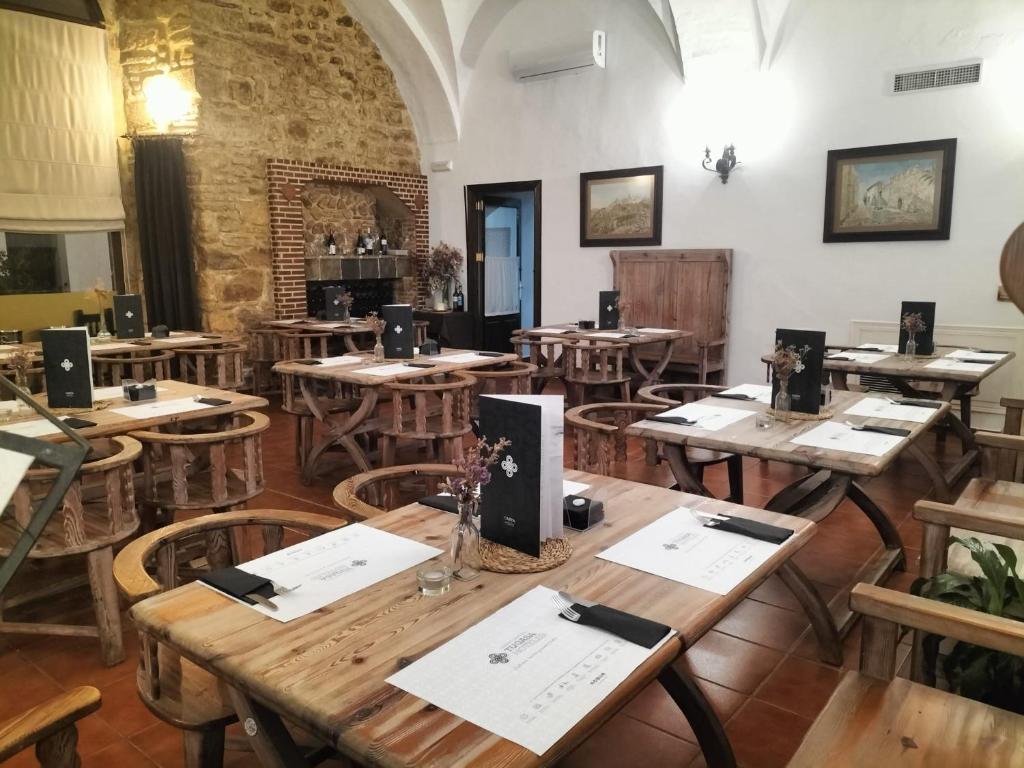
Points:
x=336, y=564
x=859, y=357
x=883, y=409
x=149, y=409
x=550, y=672
x=113, y=393
x=392, y=370
x=177, y=339
x=15, y=465
x=762, y=393
x=966, y=354
x=606, y=335
x=656, y=330
x=31, y=428
x=952, y=364
x=678, y=547
x=890, y=348
x=327, y=362
x=550, y=330
x=462, y=357
x=839, y=437
x=709, y=418
x=571, y=488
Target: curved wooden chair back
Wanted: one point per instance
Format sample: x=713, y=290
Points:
x=546, y=354
x=50, y=727
x=504, y=379
x=114, y=369
x=219, y=366
x=1011, y=267
x=98, y=512
x=370, y=494
x=299, y=345
x=174, y=689
x=266, y=347
x=432, y=411
x=673, y=395
x=190, y=470
x=590, y=365
x=599, y=432
x=420, y=328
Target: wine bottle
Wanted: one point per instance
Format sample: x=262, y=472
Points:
x=458, y=300
x=383, y=243
x=332, y=245
x=360, y=246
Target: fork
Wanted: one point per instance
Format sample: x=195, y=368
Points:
x=565, y=608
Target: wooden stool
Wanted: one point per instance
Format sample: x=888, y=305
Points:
x=546, y=354
x=266, y=347
x=139, y=366
x=301, y=345
x=218, y=366
x=97, y=514
x=697, y=458
x=591, y=365
x=213, y=483
x=370, y=494
x=173, y=688
x=50, y=726
x=440, y=427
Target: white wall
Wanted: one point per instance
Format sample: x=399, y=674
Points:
x=826, y=89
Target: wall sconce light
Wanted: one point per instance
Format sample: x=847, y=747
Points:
x=723, y=165
x=166, y=101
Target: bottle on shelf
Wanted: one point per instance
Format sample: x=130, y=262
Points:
x=360, y=246
x=383, y=243
x=458, y=300
x=332, y=244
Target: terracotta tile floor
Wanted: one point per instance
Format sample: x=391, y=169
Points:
x=758, y=667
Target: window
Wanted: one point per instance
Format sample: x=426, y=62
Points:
x=56, y=263
x=81, y=11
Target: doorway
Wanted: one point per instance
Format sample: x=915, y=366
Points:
x=503, y=276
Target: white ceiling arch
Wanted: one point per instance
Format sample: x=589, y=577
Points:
x=433, y=46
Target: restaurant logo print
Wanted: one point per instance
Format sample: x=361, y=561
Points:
x=519, y=645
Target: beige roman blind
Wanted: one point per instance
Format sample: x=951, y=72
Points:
x=58, y=152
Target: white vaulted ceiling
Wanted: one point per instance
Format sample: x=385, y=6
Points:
x=433, y=46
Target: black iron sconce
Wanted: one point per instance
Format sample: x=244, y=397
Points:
x=724, y=164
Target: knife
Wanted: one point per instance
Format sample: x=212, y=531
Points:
x=261, y=600
x=733, y=396
x=897, y=431
x=841, y=357
x=679, y=420
x=919, y=403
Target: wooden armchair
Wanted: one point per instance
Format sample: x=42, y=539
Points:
x=173, y=688
x=673, y=395
x=877, y=719
x=50, y=726
x=546, y=354
x=433, y=410
x=599, y=433
x=592, y=365
x=370, y=494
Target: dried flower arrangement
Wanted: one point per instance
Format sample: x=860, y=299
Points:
x=441, y=265
x=376, y=323
x=101, y=294
x=788, y=360
x=21, y=363
x=913, y=323
x=474, y=469
x=346, y=300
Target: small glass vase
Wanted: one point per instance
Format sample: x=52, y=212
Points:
x=911, y=348
x=103, y=334
x=378, y=351
x=464, y=544
x=446, y=295
x=783, y=406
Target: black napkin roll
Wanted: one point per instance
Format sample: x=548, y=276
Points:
x=213, y=401
x=76, y=423
x=732, y=396
x=307, y=362
x=752, y=529
x=977, y=360
x=681, y=421
x=238, y=584
x=840, y=357
x=897, y=431
x=643, y=632
x=491, y=354
x=444, y=503
x=920, y=403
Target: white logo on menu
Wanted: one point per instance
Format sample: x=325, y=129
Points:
x=398, y=329
x=67, y=365
x=609, y=307
x=509, y=466
x=129, y=314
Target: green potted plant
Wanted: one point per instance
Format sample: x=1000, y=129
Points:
x=972, y=671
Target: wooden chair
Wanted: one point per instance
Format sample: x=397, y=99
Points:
x=593, y=365
x=503, y=379
x=370, y=494
x=302, y=345
x=877, y=719
x=139, y=366
x=173, y=688
x=431, y=411
x=217, y=366
x=599, y=433
x=50, y=727
x=546, y=354
x=266, y=347
x=332, y=398
x=420, y=329
x=98, y=513
x=698, y=458
x=194, y=470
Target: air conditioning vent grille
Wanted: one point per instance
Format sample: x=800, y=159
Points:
x=943, y=77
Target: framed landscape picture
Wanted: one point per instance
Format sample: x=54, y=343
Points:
x=890, y=192
x=621, y=207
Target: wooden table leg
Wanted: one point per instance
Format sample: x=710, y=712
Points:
x=686, y=477
x=270, y=740
x=940, y=483
x=830, y=646
x=350, y=343
x=336, y=432
x=700, y=715
x=651, y=375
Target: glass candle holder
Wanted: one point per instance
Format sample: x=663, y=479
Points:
x=764, y=420
x=434, y=579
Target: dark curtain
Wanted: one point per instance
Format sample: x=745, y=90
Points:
x=165, y=233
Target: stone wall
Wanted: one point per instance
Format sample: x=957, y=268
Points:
x=274, y=78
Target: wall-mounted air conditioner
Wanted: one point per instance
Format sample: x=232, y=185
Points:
x=572, y=60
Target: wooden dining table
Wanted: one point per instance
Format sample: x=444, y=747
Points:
x=326, y=672
x=108, y=422
x=177, y=340
x=347, y=330
x=640, y=340
x=342, y=426
x=833, y=475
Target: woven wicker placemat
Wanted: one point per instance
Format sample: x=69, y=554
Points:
x=823, y=415
x=498, y=558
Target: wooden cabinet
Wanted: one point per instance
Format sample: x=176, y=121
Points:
x=684, y=289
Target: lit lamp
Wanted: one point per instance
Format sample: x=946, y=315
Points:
x=166, y=101
x=724, y=164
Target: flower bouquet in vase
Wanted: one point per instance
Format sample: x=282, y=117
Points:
x=474, y=472
x=102, y=295
x=377, y=325
x=913, y=324
x=440, y=267
x=786, y=361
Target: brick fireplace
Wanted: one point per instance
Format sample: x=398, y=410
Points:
x=287, y=182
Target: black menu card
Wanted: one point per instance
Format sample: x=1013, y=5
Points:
x=608, y=310
x=399, y=338
x=128, y=316
x=926, y=339
x=333, y=307
x=522, y=505
x=805, y=382
x=67, y=367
